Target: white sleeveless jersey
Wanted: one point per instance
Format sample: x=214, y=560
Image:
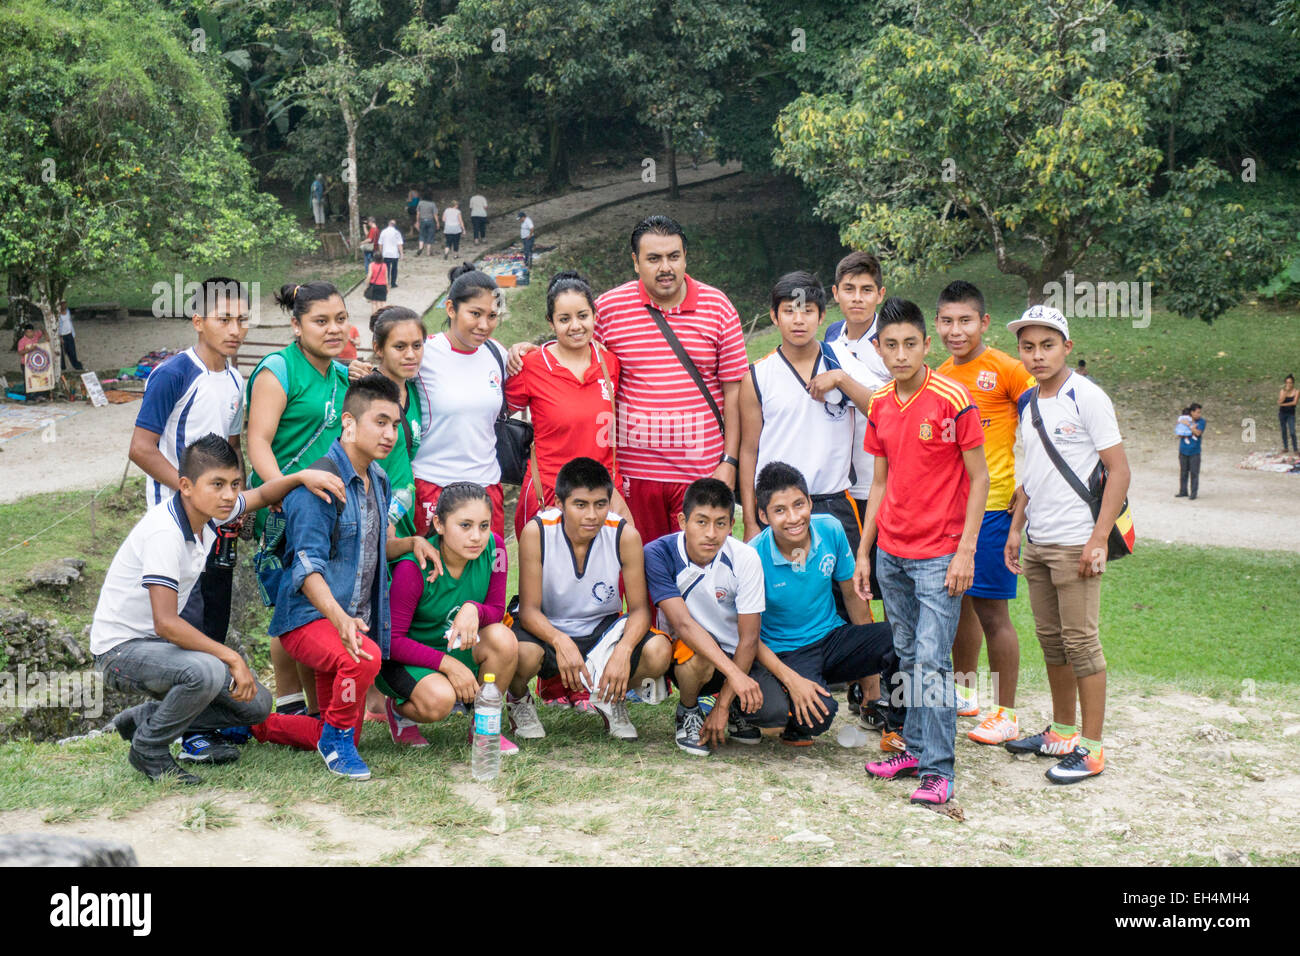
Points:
x=575, y=603
x=815, y=437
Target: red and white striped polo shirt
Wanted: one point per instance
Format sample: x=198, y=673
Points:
x=667, y=431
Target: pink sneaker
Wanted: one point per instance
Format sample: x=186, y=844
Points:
x=899, y=765
x=581, y=700
x=404, y=731
x=933, y=790
x=507, y=748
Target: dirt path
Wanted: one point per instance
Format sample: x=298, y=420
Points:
x=88, y=450
x=1189, y=781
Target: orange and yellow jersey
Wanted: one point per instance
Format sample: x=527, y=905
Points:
x=995, y=381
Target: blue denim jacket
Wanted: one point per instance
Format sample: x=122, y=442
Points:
x=309, y=520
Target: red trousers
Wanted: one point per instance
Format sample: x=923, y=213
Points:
x=341, y=685
x=426, y=501
x=655, y=506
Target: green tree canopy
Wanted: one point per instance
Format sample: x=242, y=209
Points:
x=115, y=148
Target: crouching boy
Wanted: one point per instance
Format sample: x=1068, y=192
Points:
x=571, y=621
x=806, y=644
x=139, y=640
x=333, y=592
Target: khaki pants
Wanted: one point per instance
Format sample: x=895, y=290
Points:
x=1066, y=607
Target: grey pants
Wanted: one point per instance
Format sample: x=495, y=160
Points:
x=1189, y=467
x=190, y=690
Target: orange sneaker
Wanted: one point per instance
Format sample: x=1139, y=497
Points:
x=1080, y=764
x=996, y=728
x=892, y=742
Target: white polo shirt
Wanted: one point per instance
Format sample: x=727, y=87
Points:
x=730, y=585
x=860, y=359
x=183, y=401
x=525, y=228
x=163, y=549
x=1080, y=421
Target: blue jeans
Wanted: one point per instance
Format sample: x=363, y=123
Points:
x=924, y=617
x=191, y=687
x=528, y=251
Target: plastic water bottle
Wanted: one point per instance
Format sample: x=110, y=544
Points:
x=485, y=756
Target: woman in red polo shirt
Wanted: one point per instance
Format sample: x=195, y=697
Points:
x=568, y=386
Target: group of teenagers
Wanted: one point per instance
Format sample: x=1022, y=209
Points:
x=375, y=495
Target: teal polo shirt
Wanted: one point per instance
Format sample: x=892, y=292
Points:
x=800, y=605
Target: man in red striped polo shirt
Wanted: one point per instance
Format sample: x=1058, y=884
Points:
x=669, y=433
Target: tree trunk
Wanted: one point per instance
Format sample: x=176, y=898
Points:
x=557, y=167
x=674, y=192
x=1169, y=148
x=468, y=166
x=350, y=174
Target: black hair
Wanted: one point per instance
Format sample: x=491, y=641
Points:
x=467, y=282
x=1290, y=376
x=297, y=299
x=1194, y=407
x=213, y=288
x=799, y=286
x=582, y=473
x=568, y=281
x=707, y=493
x=857, y=262
x=26, y=327
x=962, y=291
x=899, y=311
x=458, y=493
x=777, y=476
x=660, y=226
x=1187, y=410
x=1083, y=363
x=207, y=454
x=388, y=318
x=372, y=388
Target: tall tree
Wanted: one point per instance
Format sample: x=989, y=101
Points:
x=115, y=148
x=1011, y=122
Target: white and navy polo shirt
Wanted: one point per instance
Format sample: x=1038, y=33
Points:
x=183, y=401
x=730, y=585
x=163, y=549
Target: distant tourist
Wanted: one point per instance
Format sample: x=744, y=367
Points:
x=318, y=199
x=427, y=218
x=1082, y=367
x=1286, y=402
x=1189, y=453
x=390, y=248
x=453, y=225
x=68, y=336
x=370, y=242
x=478, y=216
x=526, y=235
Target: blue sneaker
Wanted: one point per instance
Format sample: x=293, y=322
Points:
x=207, y=748
x=236, y=735
x=340, y=753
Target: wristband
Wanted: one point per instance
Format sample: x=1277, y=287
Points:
x=728, y=460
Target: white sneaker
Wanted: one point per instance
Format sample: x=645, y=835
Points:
x=616, y=719
x=524, y=721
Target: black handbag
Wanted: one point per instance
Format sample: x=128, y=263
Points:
x=514, y=435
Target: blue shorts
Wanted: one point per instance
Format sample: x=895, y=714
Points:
x=992, y=579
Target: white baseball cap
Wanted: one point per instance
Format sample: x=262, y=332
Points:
x=1042, y=315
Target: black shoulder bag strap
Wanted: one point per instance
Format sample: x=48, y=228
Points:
x=1094, y=504
x=505, y=409
x=684, y=357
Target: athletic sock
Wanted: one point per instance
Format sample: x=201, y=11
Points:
x=1094, y=746
x=1064, y=730
x=290, y=699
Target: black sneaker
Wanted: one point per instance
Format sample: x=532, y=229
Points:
x=689, y=722
x=794, y=737
x=740, y=730
x=157, y=768
x=873, y=713
x=855, y=698
x=208, y=748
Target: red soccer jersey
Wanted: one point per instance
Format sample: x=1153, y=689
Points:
x=924, y=508
x=571, y=419
x=667, y=432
